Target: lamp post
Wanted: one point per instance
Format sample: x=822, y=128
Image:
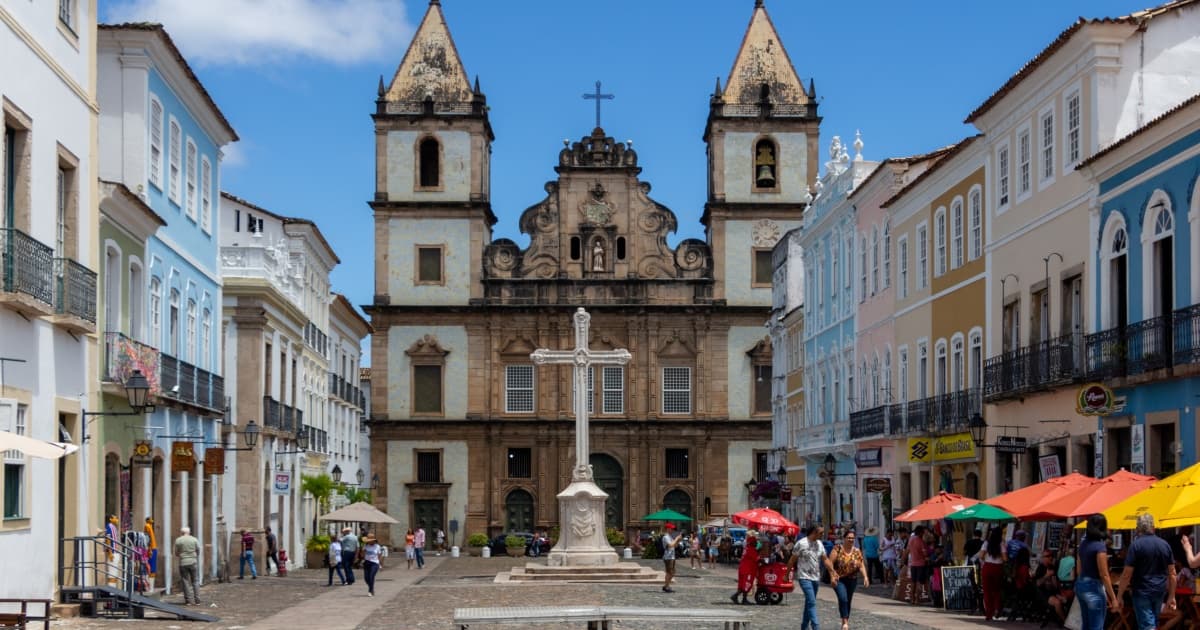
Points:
x=249, y=438
x=301, y=443
x=750, y=486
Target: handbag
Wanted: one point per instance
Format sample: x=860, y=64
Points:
x=1074, y=616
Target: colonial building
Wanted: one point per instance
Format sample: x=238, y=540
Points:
x=275, y=319
x=338, y=433
x=1147, y=202
x=1097, y=81
x=786, y=325
x=465, y=430
x=160, y=139
x=48, y=231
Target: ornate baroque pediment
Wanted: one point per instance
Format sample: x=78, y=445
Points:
x=427, y=346
x=518, y=347
x=676, y=347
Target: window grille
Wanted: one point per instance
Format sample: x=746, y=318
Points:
x=520, y=463
x=677, y=463
x=614, y=389
x=518, y=391
x=677, y=390
x=429, y=467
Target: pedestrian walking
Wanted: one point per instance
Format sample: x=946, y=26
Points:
x=747, y=568
x=695, y=556
x=991, y=558
x=849, y=564
x=870, y=550
x=349, y=551
x=272, y=553
x=440, y=541
x=1093, y=585
x=247, y=557
x=669, y=544
x=1150, y=573
x=187, y=553
x=335, y=562
x=712, y=542
x=810, y=559
x=419, y=545
x=409, y=547
x=918, y=557
x=372, y=562
x=889, y=555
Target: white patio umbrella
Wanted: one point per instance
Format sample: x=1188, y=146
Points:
x=34, y=447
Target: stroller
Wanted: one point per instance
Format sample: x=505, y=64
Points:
x=774, y=579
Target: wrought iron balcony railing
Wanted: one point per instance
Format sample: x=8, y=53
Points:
x=1135, y=349
x=1036, y=367
x=868, y=423
x=123, y=355
x=27, y=266
x=76, y=290
x=1186, y=335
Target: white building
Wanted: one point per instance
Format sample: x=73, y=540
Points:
x=346, y=403
x=48, y=286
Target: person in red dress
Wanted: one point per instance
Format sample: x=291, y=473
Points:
x=747, y=568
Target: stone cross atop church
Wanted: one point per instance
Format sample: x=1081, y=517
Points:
x=582, y=359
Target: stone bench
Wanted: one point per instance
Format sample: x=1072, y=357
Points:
x=597, y=617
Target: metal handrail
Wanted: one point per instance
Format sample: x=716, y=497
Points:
x=97, y=561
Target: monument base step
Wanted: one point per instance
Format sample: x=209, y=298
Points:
x=624, y=572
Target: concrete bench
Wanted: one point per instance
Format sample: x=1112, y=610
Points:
x=597, y=617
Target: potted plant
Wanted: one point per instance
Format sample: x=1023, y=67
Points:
x=616, y=537
x=475, y=543
x=514, y=545
x=316, y=551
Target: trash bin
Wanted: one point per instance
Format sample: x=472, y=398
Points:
x=628, y=555
x=454, y=551
x=486, y=553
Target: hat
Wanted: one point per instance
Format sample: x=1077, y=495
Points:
x=1020, y=535
x=871, y=531
x=670, y=525
x=347, y=530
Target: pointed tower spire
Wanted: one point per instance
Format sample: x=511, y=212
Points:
x=812, y=90
x=763, y=60
x=431, y=66
x=476, y=89
x=382, y=90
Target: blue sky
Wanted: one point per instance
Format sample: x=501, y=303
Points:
x=297, y=79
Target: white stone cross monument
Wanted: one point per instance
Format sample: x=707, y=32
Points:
x=581, y=539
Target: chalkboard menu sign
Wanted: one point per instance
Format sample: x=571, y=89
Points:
x=958, y=587
x=1054, y=535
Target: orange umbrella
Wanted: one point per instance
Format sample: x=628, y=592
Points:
x=937, y=507
x=1097, y=497
x=1030, y=500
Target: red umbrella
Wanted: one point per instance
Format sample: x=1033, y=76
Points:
x=938, y=507
x=1032, y=500
x=766, y=520
x=1097, y=497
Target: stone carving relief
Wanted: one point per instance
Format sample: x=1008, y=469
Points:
x=583, y=521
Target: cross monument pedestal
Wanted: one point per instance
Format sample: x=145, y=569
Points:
x=581, y=539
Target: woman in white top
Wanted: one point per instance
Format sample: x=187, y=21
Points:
x=991, y=573
x=889, y=555
x=335, y=561
x=372, y=561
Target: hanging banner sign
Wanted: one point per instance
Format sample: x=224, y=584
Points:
x=1094, y=399
x=183, y=458
x=283, y=484
x=877, y=484
x=214, y=461
x=919, y=451
x=143, y=453
x=1137, y=448
x=953, y=447
x=1098, y=458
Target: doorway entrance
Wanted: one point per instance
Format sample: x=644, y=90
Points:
x=611, y=479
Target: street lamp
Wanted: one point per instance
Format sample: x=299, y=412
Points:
x=360, y=476
x=978, y=429
x=249, y=437
x=137, y=391
x=301, y=443
x=336, y=473
x=781, y=474
x=830, y=464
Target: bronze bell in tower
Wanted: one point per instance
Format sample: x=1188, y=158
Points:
x=766, y=176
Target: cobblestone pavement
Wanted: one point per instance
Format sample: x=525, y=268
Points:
x=427, y=599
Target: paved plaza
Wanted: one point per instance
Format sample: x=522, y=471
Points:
x=427, y=599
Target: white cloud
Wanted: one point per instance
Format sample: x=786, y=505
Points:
x=233, y=154
x=273, y=31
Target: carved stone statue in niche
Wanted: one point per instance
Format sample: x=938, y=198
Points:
x=598, y=256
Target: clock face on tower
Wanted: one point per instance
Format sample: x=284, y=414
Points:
x=765, y=233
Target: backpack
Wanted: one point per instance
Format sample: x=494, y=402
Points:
x=658, y=543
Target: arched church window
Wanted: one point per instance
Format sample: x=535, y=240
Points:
x=766, y=164
x=430, y=167
x=575, y=248
x=620, y=248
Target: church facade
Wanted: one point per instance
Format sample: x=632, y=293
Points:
x=467, y=434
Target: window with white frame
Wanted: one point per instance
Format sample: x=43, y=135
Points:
x=190, y=331
x=834, y=272
x=1047, y=125
x=849, y=263
x=956, y=364
x=155, y=311
x=614, y=390
x=190, y=167
x=874, y=260
x=887, y=255
x=1073, y=127
x=205, y=194
x=903, y=375
x=1024, y=163
x=887, y=374
x=975, y=201
x=902, y=266
x=922, y=256
x=175, y=139
x=939, y=239
x=676, y=390
x=975, y=361
x=862, y=270
x=14, y=469
x=518, y=389
x=66, y=13
x=205, y=337
x=156, y=136
x=956, y=225
x=1002, y=176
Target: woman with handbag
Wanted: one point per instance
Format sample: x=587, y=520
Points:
x=849, y=564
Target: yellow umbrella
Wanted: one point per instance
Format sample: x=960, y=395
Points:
x=1177, y=494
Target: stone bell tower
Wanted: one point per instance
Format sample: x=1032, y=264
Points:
x=762, y=136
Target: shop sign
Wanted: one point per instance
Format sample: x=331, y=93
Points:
x=1094, y=399
x=214, y=461
x=919, y=451
x=143, y=453
x=877, y=484
x=283, y=484
x=954, y=447
x=183, y=458
x=1011, y=444
x=1049, y=466
x=868, y=457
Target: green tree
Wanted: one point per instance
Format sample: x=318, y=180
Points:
x=321, y=488
x=356, y=495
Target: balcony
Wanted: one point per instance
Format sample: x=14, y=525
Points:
x=26, y=274
x=282, y=418
x=266, y=264
x=122, y=356
x=316, y=339
x=936, y=414
x=1136, y=349
x=75, y=298
x=185, y=383
x=318, y=440
x=1037, y=367
x=868, y=423
x=1186, y=336
x=346, y=391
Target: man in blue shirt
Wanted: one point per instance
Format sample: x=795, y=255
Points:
x=870, y=547
x=1016, y=544
x=1150, y=572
